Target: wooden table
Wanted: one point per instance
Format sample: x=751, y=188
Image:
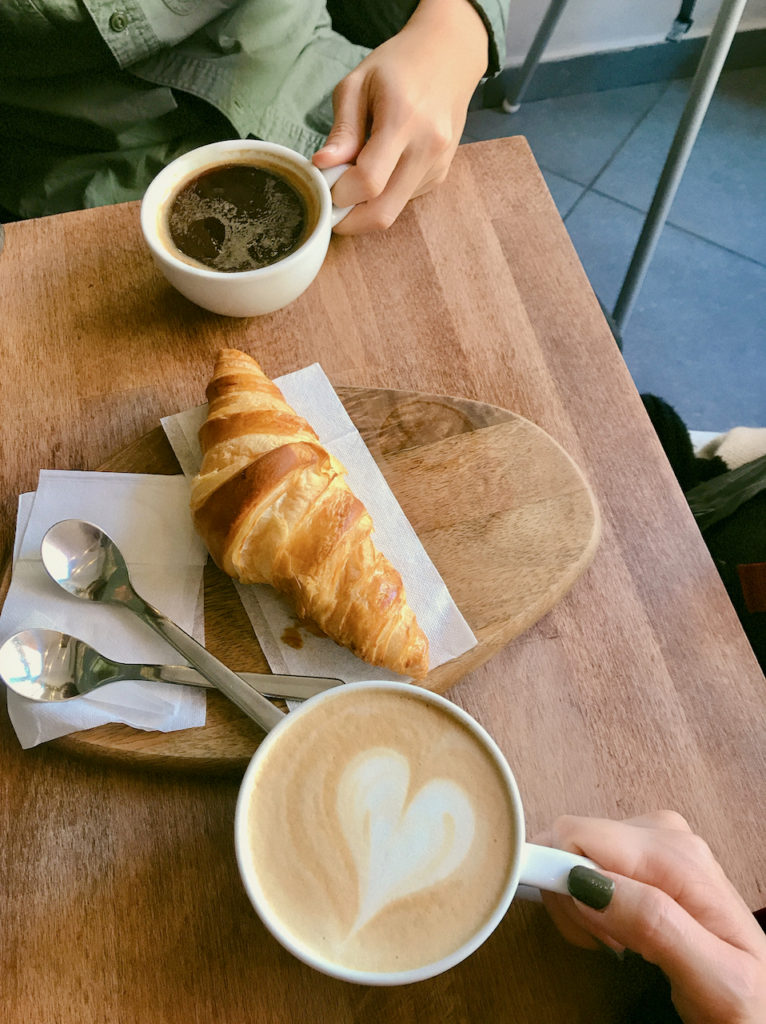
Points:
x=121, y=895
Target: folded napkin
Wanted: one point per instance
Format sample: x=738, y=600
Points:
x=148, y=518
x=310, y=393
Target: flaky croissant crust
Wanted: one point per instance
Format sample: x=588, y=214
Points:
x=273, y=506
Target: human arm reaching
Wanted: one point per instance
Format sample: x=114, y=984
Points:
x=671, y=903
x=400, y=114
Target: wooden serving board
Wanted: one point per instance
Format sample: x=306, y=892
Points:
x=502, y=510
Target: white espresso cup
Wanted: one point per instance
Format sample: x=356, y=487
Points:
x=249, y=292
x=379, y=834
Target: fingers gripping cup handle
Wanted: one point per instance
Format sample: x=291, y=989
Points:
x=545, y=868
x=331, y=175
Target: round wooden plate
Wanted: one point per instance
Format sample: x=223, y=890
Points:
x=502, y=510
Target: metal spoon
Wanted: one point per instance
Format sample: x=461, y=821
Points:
x=48, y=666
x=87, y=563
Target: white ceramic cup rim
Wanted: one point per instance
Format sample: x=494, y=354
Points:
x=164, y=186
x=271, y=920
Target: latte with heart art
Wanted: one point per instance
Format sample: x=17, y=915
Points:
x=380, y=831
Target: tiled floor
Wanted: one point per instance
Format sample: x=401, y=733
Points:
x=697, y=333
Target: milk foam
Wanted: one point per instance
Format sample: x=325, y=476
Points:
x=381, y=832
x=400, y=846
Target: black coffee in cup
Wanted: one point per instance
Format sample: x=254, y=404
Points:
x=238, y=216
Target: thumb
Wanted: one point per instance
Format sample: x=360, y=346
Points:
x=349, y=131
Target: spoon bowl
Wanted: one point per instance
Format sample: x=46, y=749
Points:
x=86, y=562
x=76, y=555
x=48, y=666
x=36, y=665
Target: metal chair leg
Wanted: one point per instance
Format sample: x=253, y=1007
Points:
x=703, y=86
x=512, y=103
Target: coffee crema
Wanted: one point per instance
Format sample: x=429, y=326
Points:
x=381, y=832
x=236, y=217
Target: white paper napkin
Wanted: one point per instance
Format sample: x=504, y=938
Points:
x=310, y=393
x=148, y=518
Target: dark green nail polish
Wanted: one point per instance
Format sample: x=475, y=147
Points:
x=589, y=887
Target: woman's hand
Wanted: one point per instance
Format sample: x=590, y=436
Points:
x=672, y=904
x=400, y=114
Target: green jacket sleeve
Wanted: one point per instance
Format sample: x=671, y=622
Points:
x=494, y=14
x=97, y=95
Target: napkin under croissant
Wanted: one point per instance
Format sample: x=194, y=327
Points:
x=273, y=506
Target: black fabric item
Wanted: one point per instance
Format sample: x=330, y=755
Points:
x=674, y=437
x=740, y=539
x=736, y=511
x=372, y=24
x=652, y=1003
x=6, y=217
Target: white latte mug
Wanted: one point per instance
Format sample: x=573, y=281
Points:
x=379, y=834
x=251, y=292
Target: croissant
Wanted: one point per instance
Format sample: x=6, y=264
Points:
x=273, y=506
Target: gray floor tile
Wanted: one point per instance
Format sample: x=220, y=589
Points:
x=573, y=136
x=564, y=192
x=697, y=334
x=722, y=195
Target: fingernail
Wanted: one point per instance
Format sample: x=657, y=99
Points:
x=590, y=887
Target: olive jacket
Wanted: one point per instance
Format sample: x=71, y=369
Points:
x=97, y=95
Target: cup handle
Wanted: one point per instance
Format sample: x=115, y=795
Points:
x=331, y=175
x=545, y=868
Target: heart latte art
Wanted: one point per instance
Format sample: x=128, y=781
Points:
x=397, y=847
x=381, y=832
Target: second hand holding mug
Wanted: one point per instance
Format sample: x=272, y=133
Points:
x=380, y=834
x=242, y=292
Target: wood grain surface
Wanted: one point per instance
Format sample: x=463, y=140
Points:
x=638, y=690
x=503, y=512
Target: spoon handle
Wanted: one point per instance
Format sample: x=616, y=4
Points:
x=290, y=687
x=229, y=683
